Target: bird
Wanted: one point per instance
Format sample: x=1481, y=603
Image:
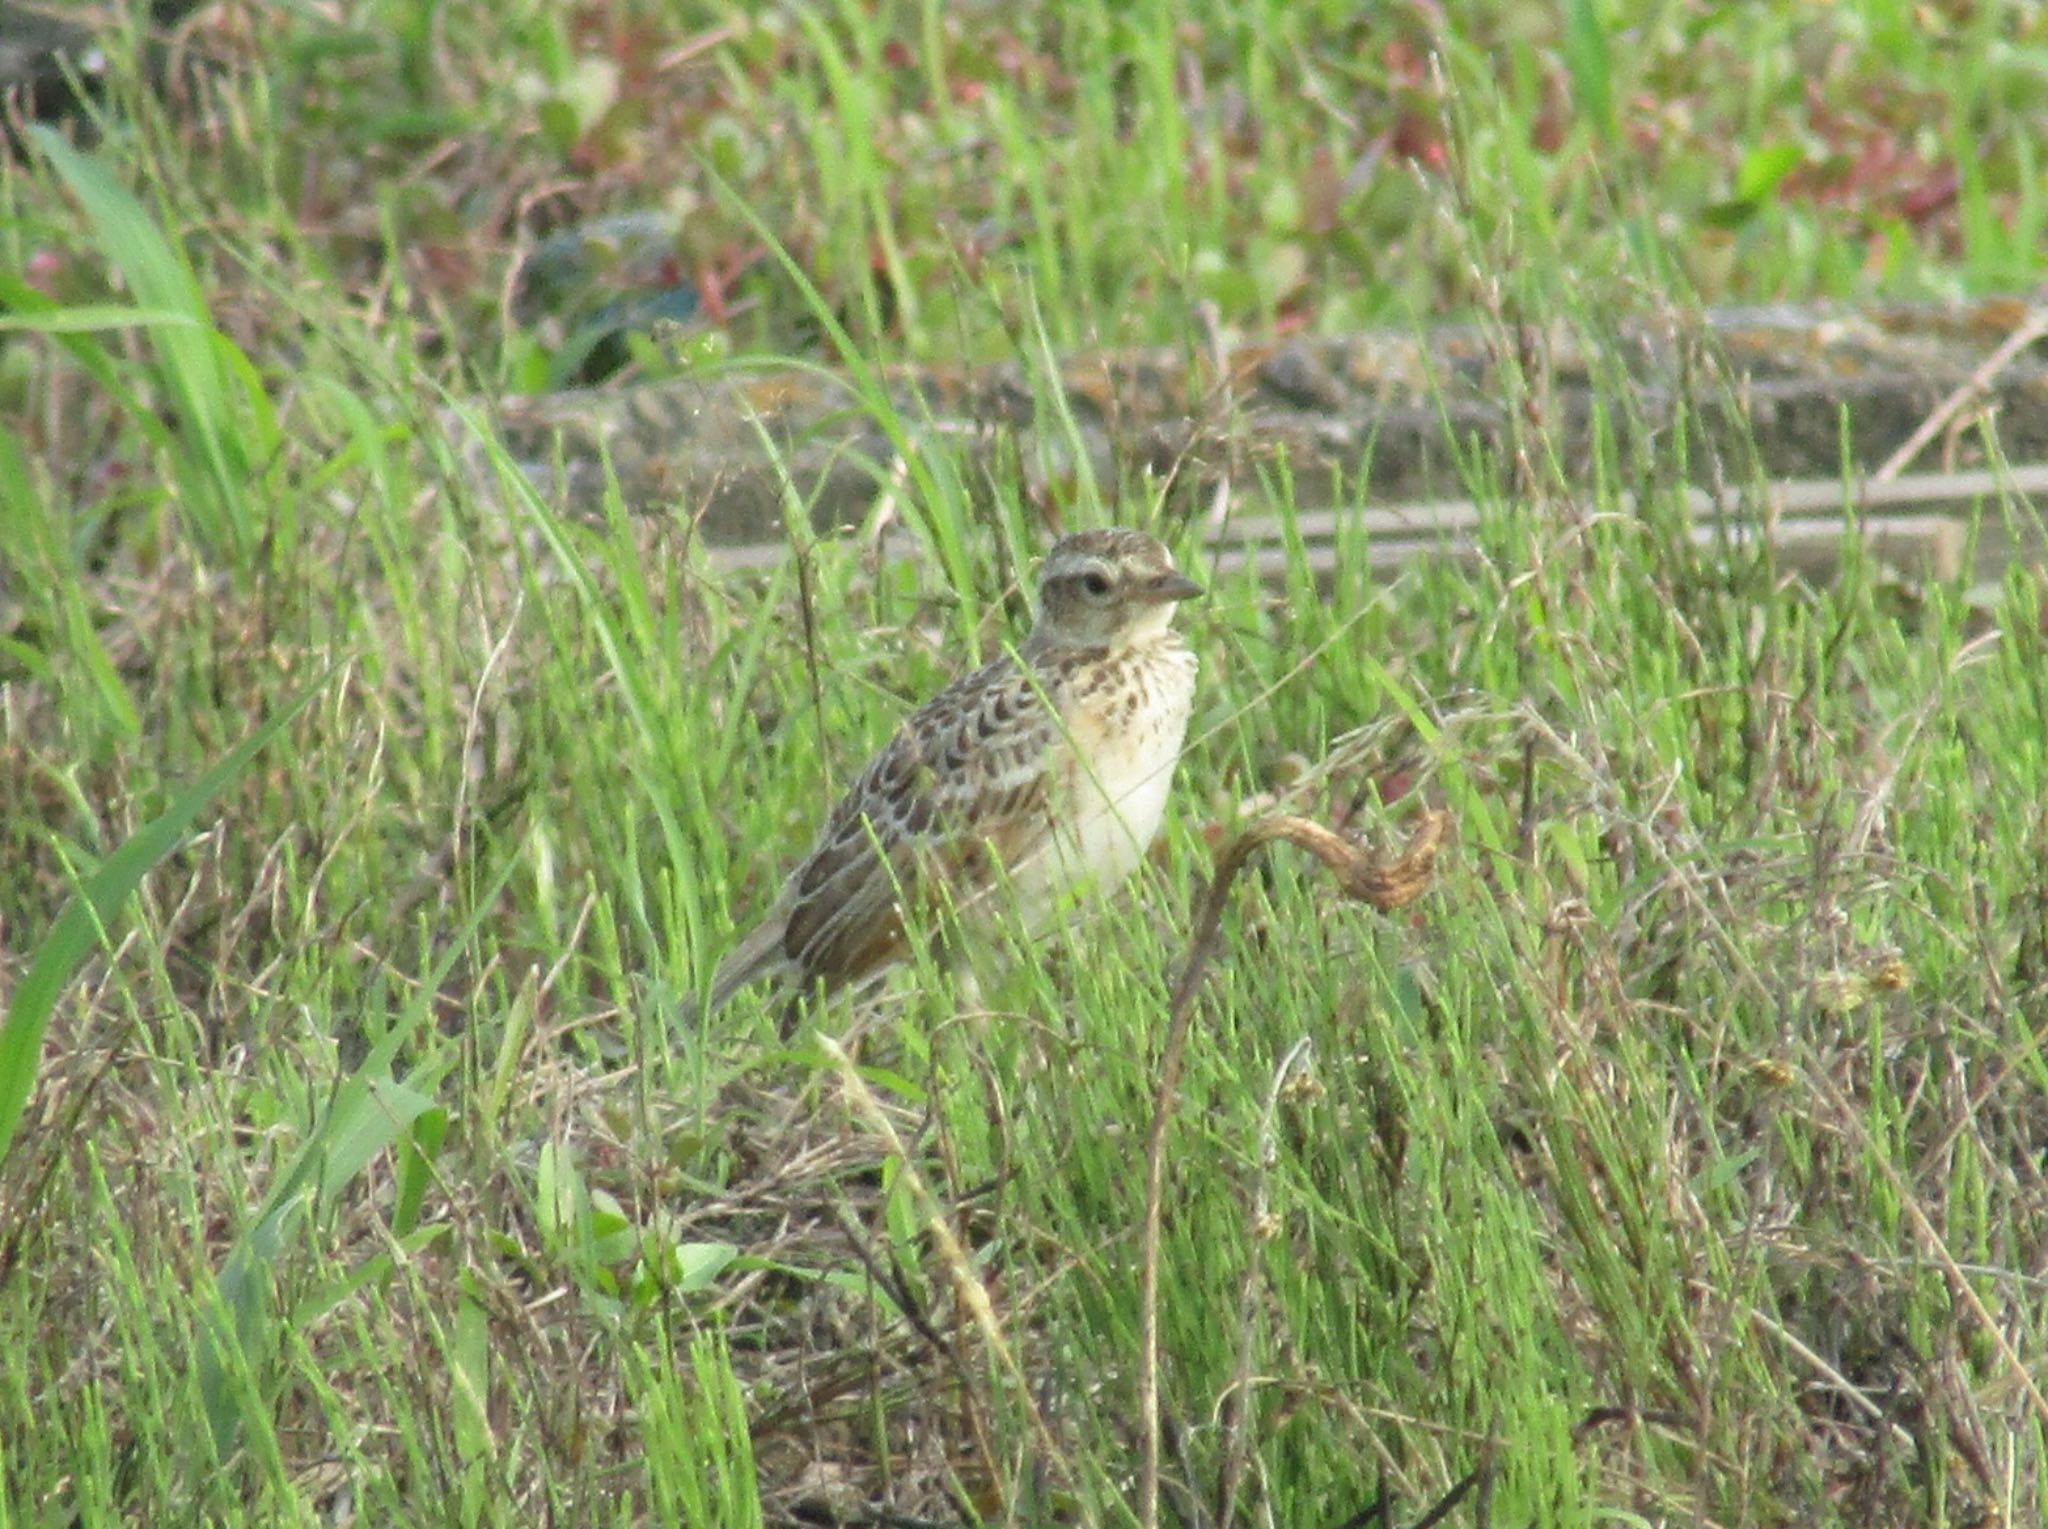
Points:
x=1043, y=772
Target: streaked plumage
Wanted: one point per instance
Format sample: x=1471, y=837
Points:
x=1046, y=770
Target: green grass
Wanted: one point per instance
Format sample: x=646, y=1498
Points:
x=946, y=173
x=1676, y=1159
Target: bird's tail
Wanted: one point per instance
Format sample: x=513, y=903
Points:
x=757, y=955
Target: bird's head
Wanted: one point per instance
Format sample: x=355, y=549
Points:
x=1108, y=589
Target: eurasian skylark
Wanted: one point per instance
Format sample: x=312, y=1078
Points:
x=1036, y=773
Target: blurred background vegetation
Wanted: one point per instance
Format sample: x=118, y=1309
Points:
x=953, y=176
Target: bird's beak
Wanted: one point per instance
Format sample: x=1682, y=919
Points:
x=1165, y=588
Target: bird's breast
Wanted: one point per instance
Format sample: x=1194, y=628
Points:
x=1124, y=722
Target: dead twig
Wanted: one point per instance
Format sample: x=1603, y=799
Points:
x=2032, y=328
x=1385, y=887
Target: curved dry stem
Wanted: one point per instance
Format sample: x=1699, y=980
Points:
x=1385, y=886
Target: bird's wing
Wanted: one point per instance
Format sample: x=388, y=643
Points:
x=964, y=784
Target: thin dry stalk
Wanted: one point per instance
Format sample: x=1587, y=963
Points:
x=1236, y=1428
x=2032, y=328
x=1844, y=1387
x=1385, y=887
x=1850, y=1122
x=967, y=1285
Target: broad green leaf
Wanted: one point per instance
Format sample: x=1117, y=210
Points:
x=90, y=318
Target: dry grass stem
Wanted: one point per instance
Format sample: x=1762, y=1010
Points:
x=967, y=1285
x=1384, y=886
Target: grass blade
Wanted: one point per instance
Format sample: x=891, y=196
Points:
x=371, y=1113
x=94, y=907
x=201, y=368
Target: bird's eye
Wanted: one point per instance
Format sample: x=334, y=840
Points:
x=1096, y=583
